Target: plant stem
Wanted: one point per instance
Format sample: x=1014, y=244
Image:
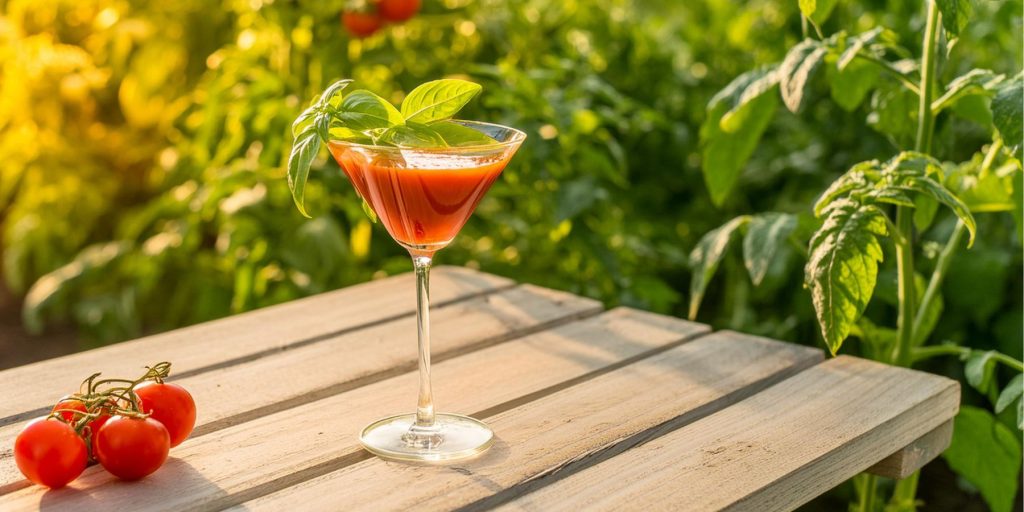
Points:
x=990, y=157
x=938, y=275
x=905, y=492
x=925, y=118
x=922, y=353
x=905, y=275
x=887, y=66
x=868, y=492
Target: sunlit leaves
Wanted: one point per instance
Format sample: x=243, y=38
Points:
x=737, y=117
x=988, y=454
x=855, y=44
x=955, y=14
x=975, y=82
x=412, y=135
x=842, y=266
x=455, y=134
x=707, y=255
x=766, y=235
x=1007, y=114
x=437, y=100
x=303, y=151
x=796, y=71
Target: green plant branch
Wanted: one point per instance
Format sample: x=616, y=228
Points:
x=887, y=66
x=925, y=117
x=948, y=349
x=938, y=276
x=990, y=157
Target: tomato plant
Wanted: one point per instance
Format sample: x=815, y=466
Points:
x=171, y=405
x=879, y=202
x=132, y=448
x=49, y=452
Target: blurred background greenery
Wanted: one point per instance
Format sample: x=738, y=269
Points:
x=142, y=147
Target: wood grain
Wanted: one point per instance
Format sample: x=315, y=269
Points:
x=915, y=455
x=773, y=451
x=228, y=396
x=560, y=433
x=269, y=453
x=237, y=338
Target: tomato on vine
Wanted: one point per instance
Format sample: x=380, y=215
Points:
x=49, y=452
x=361, y=24
x=131, y=448
x=70, y=409
x=398, y=10
x=171, y=405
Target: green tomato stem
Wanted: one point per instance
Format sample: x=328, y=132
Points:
x=938, y=276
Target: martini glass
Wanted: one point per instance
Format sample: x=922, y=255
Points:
x=423, y=197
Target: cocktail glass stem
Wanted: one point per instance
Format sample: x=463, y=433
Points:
x=423, y=433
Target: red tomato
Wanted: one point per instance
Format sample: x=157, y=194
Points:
x=171, y=405
x=71, y=404
x=361, y=24
x=398, y=10
x=50, y=453
x=131, y=448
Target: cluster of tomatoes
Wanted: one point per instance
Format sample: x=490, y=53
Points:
x=128, y=426
x=364, y=19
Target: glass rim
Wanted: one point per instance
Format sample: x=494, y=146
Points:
x=518, y=136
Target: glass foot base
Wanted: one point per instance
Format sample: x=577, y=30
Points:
x=454, y=437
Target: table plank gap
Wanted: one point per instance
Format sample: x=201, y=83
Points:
x=236, y=339
x=773, y=451
x=322, y=436
x=233, y=395
x=564, y=432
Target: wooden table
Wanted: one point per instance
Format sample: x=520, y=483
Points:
x=594, y=410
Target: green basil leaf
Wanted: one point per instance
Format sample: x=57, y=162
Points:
x=304, y=149
x=842, y=266
x=437, y=100
x=987, y=454
x=363, y=110
x=737, y=117
x=322, y=123
x=413, y=135
x=1008, y=114
x=796, y=71
x=349, y=135
x=766, y=234
x=1013, y=390
x=706, y=256
x=304, y=120
x=369, y=211
x=332, y=95
x=455, y=134
x=955, y=14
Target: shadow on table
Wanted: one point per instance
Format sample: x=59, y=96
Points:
x=99, y=490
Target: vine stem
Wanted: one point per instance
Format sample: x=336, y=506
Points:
x=922, y=353
x=906, y=489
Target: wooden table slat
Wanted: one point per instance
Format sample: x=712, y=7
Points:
x=576, y=427
x=229, y=340
x=292, y=377
x=267, y=454
x=773, y=451
x=916, y=454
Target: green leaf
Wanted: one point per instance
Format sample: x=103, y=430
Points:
x=860, y=177
x=807, y=7
x=706, y=256
x=975, y=82
x=413, y=135
x=842, y=266
x=817, y=10
x=348, y=135
x=737, y=117
x=855, y=44
x=1007, y=114
x=987, y=454
x=979, y=368
x=988, y=192
x=941, y=194
x=455, y=134
x=894, y=113
x=955, y=14
x=796, y=71
x=766, y=234
x=332, y=95
x=363, y=110
x=322, y=123
x=925, y=209
x=304, y=149
x=304, y=120
x=1018, y=202
x=1013, y=390
x=849, y=85
x=368, y=210
x=437, y=100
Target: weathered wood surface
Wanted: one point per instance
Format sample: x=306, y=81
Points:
x=773, y=451
x=618, y=410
